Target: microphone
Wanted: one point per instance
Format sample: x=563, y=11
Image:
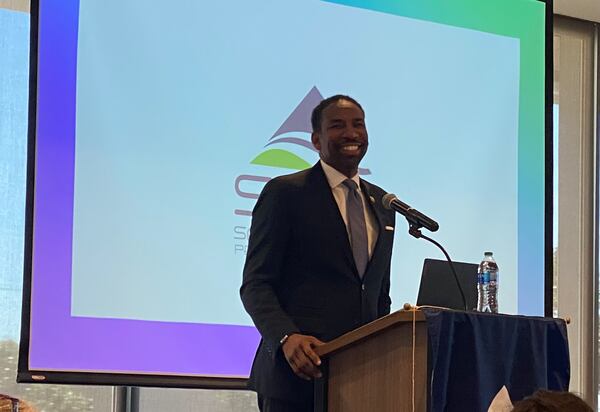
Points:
x=390, y=201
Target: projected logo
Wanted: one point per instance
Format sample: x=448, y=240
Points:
x=295, y=132
x=288, y=148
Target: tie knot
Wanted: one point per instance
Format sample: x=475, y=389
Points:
x=350, y=184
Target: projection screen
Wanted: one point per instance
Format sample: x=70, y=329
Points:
x=154, y=126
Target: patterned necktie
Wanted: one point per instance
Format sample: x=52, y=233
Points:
x=357, y=226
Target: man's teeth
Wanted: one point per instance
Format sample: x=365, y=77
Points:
x=350, y=148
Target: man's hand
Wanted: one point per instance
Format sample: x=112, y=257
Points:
x=298, y=351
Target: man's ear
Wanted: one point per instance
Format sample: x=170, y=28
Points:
x=314, y=137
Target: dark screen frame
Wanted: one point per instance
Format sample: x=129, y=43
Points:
x=549, y=162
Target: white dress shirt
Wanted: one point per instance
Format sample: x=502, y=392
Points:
x=335, y=179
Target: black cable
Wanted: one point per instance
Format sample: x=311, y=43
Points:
x=415, y=231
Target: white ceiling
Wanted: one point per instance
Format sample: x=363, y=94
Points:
x=581, y=9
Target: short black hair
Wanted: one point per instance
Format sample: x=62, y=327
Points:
x=317, y=113
x=549, y=401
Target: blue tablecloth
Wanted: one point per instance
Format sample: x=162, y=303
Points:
x=472, y=355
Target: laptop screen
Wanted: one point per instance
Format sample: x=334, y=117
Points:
x=438, y=286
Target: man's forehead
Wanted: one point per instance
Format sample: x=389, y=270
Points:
x=342, y=107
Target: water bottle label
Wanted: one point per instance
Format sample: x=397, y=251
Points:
x=485, y=277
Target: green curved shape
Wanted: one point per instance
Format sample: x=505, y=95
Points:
x=280, y=158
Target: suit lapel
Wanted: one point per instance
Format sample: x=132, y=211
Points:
x=378, y=212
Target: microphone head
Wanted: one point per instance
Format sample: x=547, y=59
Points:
x=387, y=200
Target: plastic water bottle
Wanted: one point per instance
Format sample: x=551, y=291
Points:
x=487, y=284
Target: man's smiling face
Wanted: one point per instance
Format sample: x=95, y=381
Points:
x=342, y=140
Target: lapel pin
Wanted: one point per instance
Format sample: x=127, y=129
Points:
x=372, y=199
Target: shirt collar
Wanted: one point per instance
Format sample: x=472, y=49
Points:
x=335, y=177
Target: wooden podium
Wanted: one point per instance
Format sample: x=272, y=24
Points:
x=381, y=366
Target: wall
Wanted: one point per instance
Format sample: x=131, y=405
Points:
x=581, y=9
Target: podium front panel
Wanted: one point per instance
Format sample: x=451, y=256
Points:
x=377, y=374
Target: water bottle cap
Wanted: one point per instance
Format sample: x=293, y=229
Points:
x=488, y=253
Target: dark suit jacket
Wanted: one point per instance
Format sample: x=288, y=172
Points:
x=300, y=275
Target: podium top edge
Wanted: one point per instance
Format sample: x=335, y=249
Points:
x=378, y=325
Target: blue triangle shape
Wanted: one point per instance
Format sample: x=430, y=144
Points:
x=299, y=119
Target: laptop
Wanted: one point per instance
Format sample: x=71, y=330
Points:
x=438, y=287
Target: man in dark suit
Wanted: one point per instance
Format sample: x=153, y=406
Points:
x=318, y=261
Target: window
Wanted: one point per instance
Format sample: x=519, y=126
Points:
x=574, y=59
